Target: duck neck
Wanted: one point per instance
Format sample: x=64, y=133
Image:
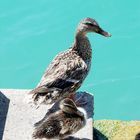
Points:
x=82, y=46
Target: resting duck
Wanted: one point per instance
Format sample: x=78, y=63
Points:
x=64, y=122
x=68, y=70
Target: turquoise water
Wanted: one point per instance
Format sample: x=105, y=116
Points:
x=32, y=32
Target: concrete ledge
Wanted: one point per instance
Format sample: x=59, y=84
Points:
x=17, y=118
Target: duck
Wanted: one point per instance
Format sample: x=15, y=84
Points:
x=65, y=122
x=69, y=68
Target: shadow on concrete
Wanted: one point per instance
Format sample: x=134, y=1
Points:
x=98, y=135
x=88, y=99
x=4, y=105
x=137, y=137
x=74, y=138
x=82, y=97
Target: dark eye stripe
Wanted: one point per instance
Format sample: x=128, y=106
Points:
x=70, y=106
x=89, y=24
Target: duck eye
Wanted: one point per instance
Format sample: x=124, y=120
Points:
x=89, y=24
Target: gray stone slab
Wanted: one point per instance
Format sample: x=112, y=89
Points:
x=17, y=118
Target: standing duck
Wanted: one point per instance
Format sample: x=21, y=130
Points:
x=64, y=122
x=68, y=70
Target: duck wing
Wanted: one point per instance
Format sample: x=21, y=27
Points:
x=66, y=70
x=48, y=129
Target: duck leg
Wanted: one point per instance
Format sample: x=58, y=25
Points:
x=78, y=101
x=72, y=96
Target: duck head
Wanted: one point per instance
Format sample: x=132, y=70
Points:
x=90, y=25
x=69, y=107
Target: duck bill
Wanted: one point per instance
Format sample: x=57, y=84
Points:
x=104, y=33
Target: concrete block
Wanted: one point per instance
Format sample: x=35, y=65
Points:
x=17, y=117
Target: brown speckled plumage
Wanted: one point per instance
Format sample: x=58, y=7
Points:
x=68, y=70
x=66, y=121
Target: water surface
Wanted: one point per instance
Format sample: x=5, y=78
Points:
x=32, y=32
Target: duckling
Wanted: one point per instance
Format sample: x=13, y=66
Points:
x=64, y=122
x=68, y=70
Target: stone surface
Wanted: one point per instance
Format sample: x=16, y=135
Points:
x=17, y=117
x=116, y=130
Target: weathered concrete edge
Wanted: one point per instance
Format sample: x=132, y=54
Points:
x=11, y=92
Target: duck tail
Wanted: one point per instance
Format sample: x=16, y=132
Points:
x=38, y=133
x=45, y=95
